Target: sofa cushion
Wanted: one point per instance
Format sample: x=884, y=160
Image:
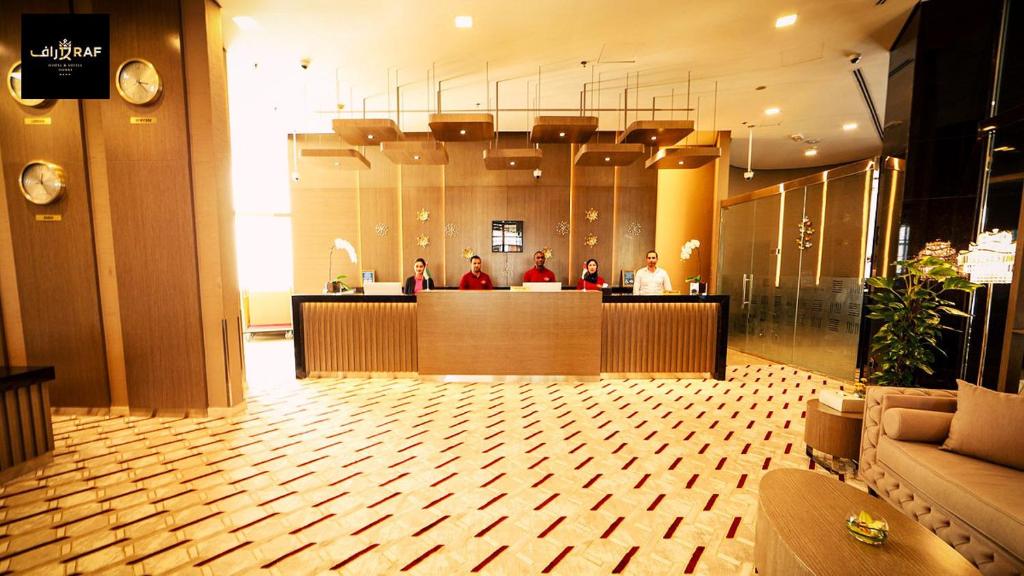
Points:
x=985, y=496
x=912, y=425
x=986, y=426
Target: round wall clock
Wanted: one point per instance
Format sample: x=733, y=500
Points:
x=14, y=87
x=138, y=82
x=42, y=182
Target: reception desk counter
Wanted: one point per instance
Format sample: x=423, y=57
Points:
x=505, y=332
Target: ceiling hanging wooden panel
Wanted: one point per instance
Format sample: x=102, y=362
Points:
x=344, y=158
x=562, y=129
x=462, y=127
x=366, y=131
x=608, y=154
x=656, y=132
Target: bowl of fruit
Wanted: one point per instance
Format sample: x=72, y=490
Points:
x=867, y=529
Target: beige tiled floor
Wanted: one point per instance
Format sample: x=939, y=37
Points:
x=371, y=476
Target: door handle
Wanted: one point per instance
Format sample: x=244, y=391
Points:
x=746, y=295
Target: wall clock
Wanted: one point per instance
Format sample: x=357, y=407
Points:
x=138, y=82
x=42, y=182
x=14, y=87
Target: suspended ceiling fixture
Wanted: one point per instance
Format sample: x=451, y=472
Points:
x=512, y=158
x=562, y=129
x=413, y=152
x=462, y=127
x=608, y=154
x=684, y=157
x=367, y=131
x=344, y=158
x=656, y=132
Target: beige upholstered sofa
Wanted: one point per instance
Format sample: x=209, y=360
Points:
x=975, y=506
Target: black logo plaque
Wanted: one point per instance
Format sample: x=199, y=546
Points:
x=65, y=56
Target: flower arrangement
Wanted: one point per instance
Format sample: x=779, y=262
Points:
x=867, y=529
x=687, y=252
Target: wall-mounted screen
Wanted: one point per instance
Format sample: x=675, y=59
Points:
x=506, y=236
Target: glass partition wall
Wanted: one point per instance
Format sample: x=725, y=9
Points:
x=793, y=258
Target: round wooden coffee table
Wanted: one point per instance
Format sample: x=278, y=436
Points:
x=832, y=432
x=801, y=530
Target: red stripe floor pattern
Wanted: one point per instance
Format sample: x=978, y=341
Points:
x=406, y=476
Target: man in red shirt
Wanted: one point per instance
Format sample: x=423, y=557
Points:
x=475, y=279
x=539, y=273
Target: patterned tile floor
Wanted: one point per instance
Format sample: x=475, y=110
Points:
x=394, y=476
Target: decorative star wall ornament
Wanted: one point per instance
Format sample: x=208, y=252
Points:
x=591, y=215
x=423, y=215
x=422, y=241
x=562, y=228
x=547, y=252
x=381, y=229
x=634, y=230
x=449, y=230
x=467, y=253
x=591, y=240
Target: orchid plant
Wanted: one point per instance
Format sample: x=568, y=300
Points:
x=688, y=250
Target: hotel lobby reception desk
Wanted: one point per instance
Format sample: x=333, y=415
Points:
x=502, y=332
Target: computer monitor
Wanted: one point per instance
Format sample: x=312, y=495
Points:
x=542, y=286
x=383, y=289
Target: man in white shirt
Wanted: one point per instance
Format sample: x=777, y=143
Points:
x=651, y=280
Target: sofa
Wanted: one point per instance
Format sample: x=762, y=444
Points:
x=974, y=505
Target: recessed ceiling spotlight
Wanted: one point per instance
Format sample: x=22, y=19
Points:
x=771, y=111
x=607, y=158
x=416, y=157
x=462, y=132
x=369, y=136
x=680, y=163
x=561, y=134
x=463, y=21
x=653, y=138
x=787, y=20
x=811, y=152
x=512, y=163
x=849, y=126
x=246, y=22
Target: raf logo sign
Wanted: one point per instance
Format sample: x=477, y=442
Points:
x=65, y=56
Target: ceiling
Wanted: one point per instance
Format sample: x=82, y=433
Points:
x=361, y=52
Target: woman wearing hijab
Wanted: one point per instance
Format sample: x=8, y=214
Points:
x=419, y=281
x=590, y=280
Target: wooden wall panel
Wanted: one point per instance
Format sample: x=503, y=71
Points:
x=423, y=189
x=541, y=204
x=152, y=214
x=636, y=202
x=54, y=261
x=474, y=196
x=379, y=205
x=324, y=207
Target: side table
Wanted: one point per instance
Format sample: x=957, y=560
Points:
x=832, y=432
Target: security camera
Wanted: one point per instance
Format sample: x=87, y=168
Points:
x=855, y=58
x=537, y=173
x=304, y=63
x=295, y=176
x=748, y=175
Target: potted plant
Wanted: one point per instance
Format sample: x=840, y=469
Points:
x=911, y=307
x=690, y=248
x=338, y=285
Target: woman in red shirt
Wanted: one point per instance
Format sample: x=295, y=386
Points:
x=590, y=279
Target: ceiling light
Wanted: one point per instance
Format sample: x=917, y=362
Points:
x=416, y=157
x=811, y=152
x=467, y=21
x=680, y=163
x=850, y=126
x=462, y=132
x=1004, y=149
x=369, y=136
x=607, y=158
x=561, y=134
x=653, y=138
x=787, y=20
x=512, y=163
x=246, y=22
x=771, y=111
x=988, y=128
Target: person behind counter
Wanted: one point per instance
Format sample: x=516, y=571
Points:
x=539, y=273
x=651, y=280
x=475, y=279
x=420, y=280
x=590, y=280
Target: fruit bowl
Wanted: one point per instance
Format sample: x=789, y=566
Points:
x=867, y=529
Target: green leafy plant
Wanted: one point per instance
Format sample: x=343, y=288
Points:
x=911, y=306
x=340, y=281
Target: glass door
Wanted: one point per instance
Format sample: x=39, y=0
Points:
x=737, y=232
x=763, y=322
